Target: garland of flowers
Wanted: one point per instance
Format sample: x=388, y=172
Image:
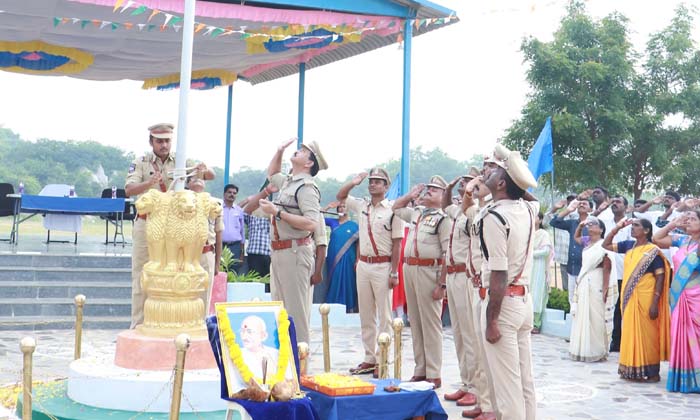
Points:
x=237, y=357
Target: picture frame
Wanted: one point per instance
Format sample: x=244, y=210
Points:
x=254, y=334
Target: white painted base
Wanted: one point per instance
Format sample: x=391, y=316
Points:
x=555, y=322
x=337, y=317
x=245, y=292
x=99, y=383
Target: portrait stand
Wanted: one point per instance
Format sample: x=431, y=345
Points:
x=295, y=409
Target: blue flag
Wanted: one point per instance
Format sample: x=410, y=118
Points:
x=394, y=190
x=541, y=158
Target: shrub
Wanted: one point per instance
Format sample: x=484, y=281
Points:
x=559, y=299
x=227, y=262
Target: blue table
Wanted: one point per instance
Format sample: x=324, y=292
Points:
x=381, y=405
x=41, y=204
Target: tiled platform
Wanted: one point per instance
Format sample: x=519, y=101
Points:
x=565, y=389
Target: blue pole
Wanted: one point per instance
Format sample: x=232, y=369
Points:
x=406, y=114
x=300, y=111
x=227, y=161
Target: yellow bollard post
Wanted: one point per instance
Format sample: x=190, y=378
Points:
x=303, y=350
x=79, y=303
x=397, y=325
x=27, y=345
x=182, y=343
x=384, y=340
x=324, y=310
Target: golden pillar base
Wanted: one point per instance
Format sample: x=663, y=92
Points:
x=174, y=304
x=173, y=280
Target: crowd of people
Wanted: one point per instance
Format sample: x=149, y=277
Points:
x=632, y=277
x=486, y=251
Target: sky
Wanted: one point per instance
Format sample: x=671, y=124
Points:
x=468, y=86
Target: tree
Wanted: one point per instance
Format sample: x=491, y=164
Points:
x=608, y=116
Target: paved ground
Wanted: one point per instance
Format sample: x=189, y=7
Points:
x=565, y=389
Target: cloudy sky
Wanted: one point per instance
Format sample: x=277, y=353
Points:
x=468, y=86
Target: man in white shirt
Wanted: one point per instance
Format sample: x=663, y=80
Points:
x=618, y=208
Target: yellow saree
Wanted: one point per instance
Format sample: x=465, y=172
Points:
x=645, y=342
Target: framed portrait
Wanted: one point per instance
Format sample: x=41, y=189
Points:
x=255, y=345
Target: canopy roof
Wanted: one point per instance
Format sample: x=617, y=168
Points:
x=141, y=40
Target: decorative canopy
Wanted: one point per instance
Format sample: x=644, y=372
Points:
x=141, y=40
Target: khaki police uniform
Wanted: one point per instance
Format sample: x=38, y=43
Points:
x=207, y=260
x=377, y=228
x=507, y=227
x=423, y=257
x=482, y=382
x=292, y=256
x=141, y=170
x=459, y=298
x=320, y=240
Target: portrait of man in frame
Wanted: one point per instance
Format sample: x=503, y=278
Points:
x=256, y=327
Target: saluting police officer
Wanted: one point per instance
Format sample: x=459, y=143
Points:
x=506, y=229
x=295, y=219
x=377, y=268
x=476, y=197
x=152, y=170
x=423, y=257
x=459, y=300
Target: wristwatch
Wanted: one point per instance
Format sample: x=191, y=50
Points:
x=443, y=285
x=394, y=275
x=278, y=216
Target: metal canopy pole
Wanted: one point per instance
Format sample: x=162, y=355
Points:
x=185, y=81
x=406, y=114
x=300, y=110
x=227, y=160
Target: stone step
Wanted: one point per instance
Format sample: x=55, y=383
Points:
x=82, y=274
x=56, y=307
x=65, y=289
x=64, y=260
x=35, y=323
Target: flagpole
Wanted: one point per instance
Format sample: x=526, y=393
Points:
x=554, y=236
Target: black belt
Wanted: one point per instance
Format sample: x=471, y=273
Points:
x=231, y=243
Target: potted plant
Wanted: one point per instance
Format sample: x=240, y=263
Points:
x=242, y=287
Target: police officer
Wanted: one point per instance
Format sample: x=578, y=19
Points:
x=377, y=268
x=296, y=218
x=425, y=288
x=506, y=229
x=321, y=247
x=476, y=197
x=211, y=252
x=459, y=300
x=152, y=170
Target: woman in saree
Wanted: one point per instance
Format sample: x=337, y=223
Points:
x=684, y=362
x=594, y=296
x=340, y=261
x=539, y=283
x=644, y=303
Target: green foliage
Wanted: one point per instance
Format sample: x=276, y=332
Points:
x=43, y=162
x=249, y=277
x=611, y=107
x=226, y=265
x=559, y=299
